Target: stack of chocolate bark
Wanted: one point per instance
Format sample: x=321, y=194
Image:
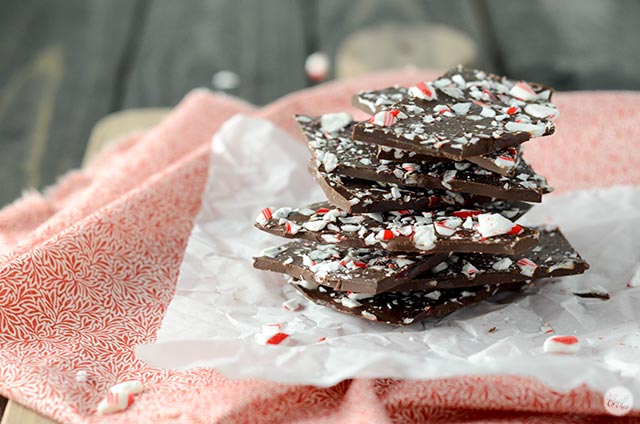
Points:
x=422, y=201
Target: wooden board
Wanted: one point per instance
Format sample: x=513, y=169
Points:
x=58, y=73
x=184, y=44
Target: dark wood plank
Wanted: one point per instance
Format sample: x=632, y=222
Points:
x=337, y=19
x=185, y=43
x=58, y=67
x=570, y=44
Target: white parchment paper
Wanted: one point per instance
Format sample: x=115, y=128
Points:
x=222, y=302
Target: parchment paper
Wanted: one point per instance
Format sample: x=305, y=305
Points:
x=221, y=301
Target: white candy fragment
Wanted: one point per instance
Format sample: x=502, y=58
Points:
x=565, y=264
x=469, y=271
x=330, y=238
x=315, y=225
x=634, y=281
x=423, y=90
x=369, y=316
x=350, y=303
x=128, y=387
x=82, y=376
x=291, y=227
x=309, y=285
x=502, y=265
x=282, y=213
x=291, y=305
x=448, y=227
x=527, y=267
x=535, y=130
x=359, y=296
x=317, y=66
x=331, y=122
x=330, y=162
x=540, y=111
x=269, y=330
x=448, y=177
x=424, y=237
x=434, y=295
x=561, y=344
x=115, y=402
x=493, y=224
x=523, y=91
x=461, y=108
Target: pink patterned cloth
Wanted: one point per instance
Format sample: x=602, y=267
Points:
x=88, y=269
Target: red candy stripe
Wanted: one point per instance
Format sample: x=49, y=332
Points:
x=466, y=214
x=387, y=235
x=266, y=213
x=515, y=230
x=512, y=110
x=277, y=338
x=322, y=211
x=422, y=86
x=567, y=340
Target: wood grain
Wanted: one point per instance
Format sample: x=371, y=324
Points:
x=58, y=67
x=182, y=47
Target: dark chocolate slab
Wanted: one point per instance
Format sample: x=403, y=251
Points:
x=473, y=113
x=553, y=257
x=443, y=230
x=400, y=308
x=361, y=196
x=335, y=152
x=503, y=162
x=364, y=270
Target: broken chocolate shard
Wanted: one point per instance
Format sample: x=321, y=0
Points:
x=337, y=153
x=401, y=308
x=362, y=270
x=552, y=257
x=442, y=230
x=462, y=114
x=503, y=162
x=362, y=196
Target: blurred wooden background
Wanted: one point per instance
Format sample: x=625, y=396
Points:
x=65, y=64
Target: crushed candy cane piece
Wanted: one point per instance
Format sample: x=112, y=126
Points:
x=330, y=162
x=523, y=91
x=634, y=281
x=502, y=265
x=330, y=122
x=316, y=65
x=469, y=271
x=277, y=338
x=115, y=402
x=527, y=267
x=493, y=224
x=387, y=118
x=264, y=216
x=281, y=213
x=425, y=237
x=423, y=90
x=128, y=387
x=561, y=344
x=270, y=330
x=291, y=305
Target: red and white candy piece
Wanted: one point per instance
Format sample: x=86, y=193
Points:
x=540, y=111
x=535, y=130
x=423, y=90
x=387, y=118
x=264, y=216
x=291, y=227
x=115, y=402
x=317, y=66
x=291, y=305
x=561, y=344
x=469, y=271
x=448, y=227
x=424, y=237
x=330, y=122
x=527, y=267
x=523, y=91
x=494, y=224
x=131, y=386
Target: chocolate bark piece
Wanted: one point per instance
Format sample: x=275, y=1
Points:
x=335, y=152
x=356, y=269
x=374, y=101
x=443, y=230
x=361, y=196
x=552, y=257
x=401, y=308
x=503, y=162
x=462, y=114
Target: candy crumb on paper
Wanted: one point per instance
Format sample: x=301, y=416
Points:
x=561, y=344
